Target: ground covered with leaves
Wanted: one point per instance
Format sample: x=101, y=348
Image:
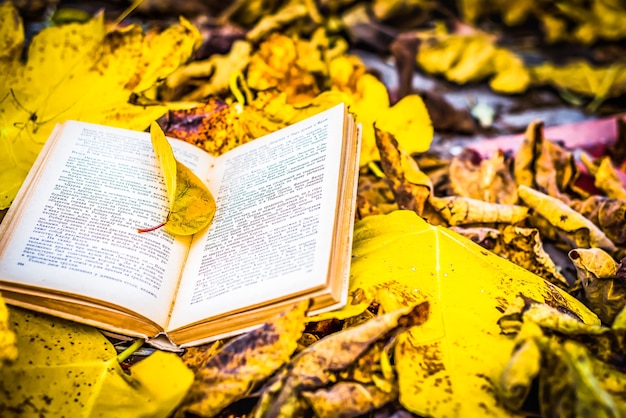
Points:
x=529, y=322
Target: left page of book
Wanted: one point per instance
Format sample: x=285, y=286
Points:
x=74, y=227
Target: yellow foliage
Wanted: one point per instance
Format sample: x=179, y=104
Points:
x=584, y=78
x=410, y=124
x=578, y=21
x=68, y=369
x=448, y=365
x=607, y=180
x=77, y=71
x=472, y=58
x=165, y=157
x=279, y=63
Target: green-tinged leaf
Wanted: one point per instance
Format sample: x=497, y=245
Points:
x=450, y=365
x=193, y=207
x=167, y=161
x=67, y=369
x=235, y=369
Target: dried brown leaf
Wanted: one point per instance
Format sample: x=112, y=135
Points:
x=244, y=362
x=463, y=211
x=489, y=179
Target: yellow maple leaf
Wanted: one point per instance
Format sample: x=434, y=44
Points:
x=76, y=71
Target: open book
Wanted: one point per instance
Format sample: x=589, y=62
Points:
x=282, y=231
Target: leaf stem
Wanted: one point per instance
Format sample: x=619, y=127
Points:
x=130, y=350
x=152, y=228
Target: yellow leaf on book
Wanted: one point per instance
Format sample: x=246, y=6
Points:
x=166, y=159
x=192, y=205
x=67, y=369
x=459, y=353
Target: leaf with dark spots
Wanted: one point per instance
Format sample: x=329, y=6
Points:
x=604, y=290
x=84, y=379
x=243, y=363
x=312, y=368
x=606, y=213
x=192, y=125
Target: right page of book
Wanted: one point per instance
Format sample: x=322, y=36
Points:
x=272, y=232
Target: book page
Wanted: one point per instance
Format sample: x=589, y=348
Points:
x=78, y=232
x=271, y=235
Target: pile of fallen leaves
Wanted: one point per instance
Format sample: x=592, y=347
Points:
x=436, y=326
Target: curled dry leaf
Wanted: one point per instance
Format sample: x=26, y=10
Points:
x=604, y=290
x=351, y=398
x=312, y=368
x=278, y=63
x=489, y=180
x=582, y=77
x=541, y=164
x=243, y=363
x=563, y=217
x=470, y=58
x=608, y=214
x=522, y=246
x=607, y=180
x=273, y=22
x=218, y=68
x=574, y=363
x=410, y=193
x=463, y=211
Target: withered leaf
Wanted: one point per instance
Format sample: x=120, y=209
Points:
x=605, y=292
x=563, y=217
x=312, y=368
x=409, y=195
x=543, y=165
x=348, y=399
x=244, y=362
x=462, y=211
x=218, y=68
x=607, y=180
x=578, y=374
x=608, y=214
x=488, y=179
